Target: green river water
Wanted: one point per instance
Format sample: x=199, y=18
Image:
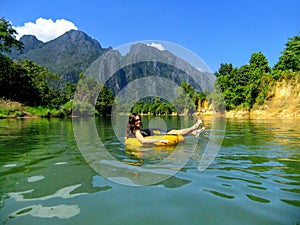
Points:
x=254, y=179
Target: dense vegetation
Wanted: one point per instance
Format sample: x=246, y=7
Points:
x=187, y=102
x=27, y=88
x=250, y=84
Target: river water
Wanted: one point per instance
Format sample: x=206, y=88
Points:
x=254, y=179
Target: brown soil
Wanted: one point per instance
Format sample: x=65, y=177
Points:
x=283, y=101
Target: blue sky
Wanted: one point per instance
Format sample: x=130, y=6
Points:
x=217, y=31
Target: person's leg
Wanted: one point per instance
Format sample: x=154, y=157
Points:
x=187, y=131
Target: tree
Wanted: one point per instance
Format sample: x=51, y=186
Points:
x=290, y=58
x=259, y=63
x=104, y=101
x=225, y=69
x=46, y=84
x=259, y=67
x=7, y=37
x=16, y=83
x=187, y=88
x=241, y=86
x=29, y=83
x=184, y=103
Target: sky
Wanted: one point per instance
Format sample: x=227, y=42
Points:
x=217, y=31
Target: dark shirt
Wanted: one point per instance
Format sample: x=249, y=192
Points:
x=148, y=132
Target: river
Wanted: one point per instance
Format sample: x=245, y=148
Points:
x=46, y=177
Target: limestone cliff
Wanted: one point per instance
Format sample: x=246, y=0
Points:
x=283, y=101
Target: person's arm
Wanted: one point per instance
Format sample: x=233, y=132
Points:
x=143, y=140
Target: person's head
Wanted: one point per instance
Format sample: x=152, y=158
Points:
x=135, y=121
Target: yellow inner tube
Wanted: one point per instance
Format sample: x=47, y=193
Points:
x=173, y=140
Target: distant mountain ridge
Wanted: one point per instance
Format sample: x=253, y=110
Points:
x=144, y=61
x=68, y=55
x=75, y=52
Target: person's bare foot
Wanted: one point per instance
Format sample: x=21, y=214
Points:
x=198, y=124
x=196, y=133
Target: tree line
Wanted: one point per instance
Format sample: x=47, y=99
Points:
x=244, y=86
x=187, y=102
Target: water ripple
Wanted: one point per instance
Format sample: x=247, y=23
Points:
x=257, y=199
x=219, y=194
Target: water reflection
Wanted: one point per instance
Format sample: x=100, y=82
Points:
x=60, y=211
x=62, y=193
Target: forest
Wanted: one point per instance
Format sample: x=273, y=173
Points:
x=29, y=89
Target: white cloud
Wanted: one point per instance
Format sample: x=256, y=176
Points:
x=156, y=45
x=45, y=30
x=200, y=69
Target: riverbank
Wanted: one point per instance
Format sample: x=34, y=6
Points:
x=283, y=101
x=10, y=109
x=261, y=112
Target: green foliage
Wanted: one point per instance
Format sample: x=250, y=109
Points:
x=30, y=83
x=83, y=109
x=86, y=95
x=224, y=69
x=188, y=99
x=46, y=84
x=87, y=89
x=259, y=63
x=241, y=86
x=34, y=85
x=92, y=98
x=40, y=111
x=15, y=82
x=290, y=58
x=186, y=102
x=104, y=101
x=10, y=109
x=217, y=100
x=154, y=106
x=7, y=37
x=14, y=109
